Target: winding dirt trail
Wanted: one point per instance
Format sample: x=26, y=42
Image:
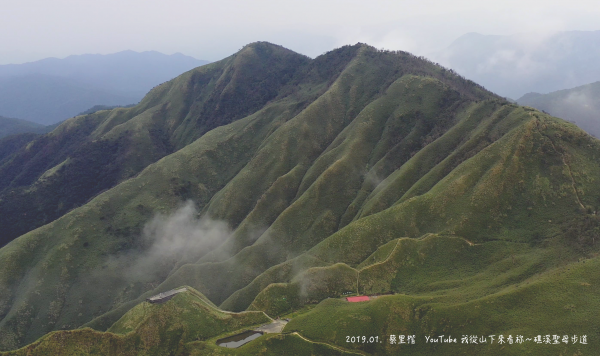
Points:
x=356, y=352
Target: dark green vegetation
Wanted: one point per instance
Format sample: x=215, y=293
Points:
x=13, y=143
x=360, y=171
x=580, y=105
x=88, y=154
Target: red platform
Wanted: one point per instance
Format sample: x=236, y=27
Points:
x=362, y=298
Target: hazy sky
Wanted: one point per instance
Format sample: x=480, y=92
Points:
x=35, y=29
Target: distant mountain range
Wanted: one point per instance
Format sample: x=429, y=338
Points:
x=10, y=126
x=514, y=65
x=580, y=105
x=52, y=90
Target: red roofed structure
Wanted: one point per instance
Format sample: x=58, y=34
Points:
x=362, y=298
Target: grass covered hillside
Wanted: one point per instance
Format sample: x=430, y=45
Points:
x=186, y=325
x=151, y=329
x=365, y=172
x=13, y=143
x=91, y=153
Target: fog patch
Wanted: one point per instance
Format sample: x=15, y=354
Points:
x=581, y=99
x=526, y=62
x=167, y=241
x=375, y=183
x=372, y=180
x=177, y=237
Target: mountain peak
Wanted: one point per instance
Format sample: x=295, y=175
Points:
x=263, y=48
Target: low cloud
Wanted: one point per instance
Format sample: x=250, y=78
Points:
x=526, y=62
x=166, y=242
x=182, y=236
x=581, y=99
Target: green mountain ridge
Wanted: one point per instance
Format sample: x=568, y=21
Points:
x=366, y=172
x=108, y=147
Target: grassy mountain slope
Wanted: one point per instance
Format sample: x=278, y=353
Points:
x=578, y=105
x=560, y=302
x=88, y=154
x=90, y=342
x=151, y=329
x=189, y=324
x=11, y=144
x=358, y=175
x=210, y=163
x=494, y=195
